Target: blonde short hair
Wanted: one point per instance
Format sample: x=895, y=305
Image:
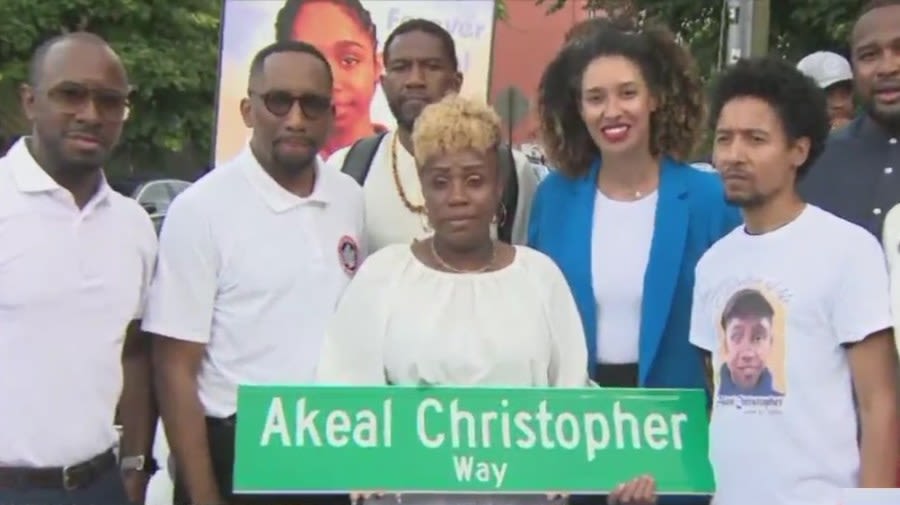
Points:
x=452, y=125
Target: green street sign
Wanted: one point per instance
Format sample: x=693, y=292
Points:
x=469, y=440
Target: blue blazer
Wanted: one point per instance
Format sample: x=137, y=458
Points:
x=691, y=215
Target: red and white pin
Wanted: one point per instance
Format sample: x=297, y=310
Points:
x=348, y=254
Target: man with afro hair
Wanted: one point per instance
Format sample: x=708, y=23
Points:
x=829, y=421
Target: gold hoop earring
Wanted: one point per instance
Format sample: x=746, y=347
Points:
x=500, y=216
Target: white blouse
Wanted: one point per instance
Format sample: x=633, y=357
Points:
x=402, y=322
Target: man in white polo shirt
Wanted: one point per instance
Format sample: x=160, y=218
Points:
x=75, y=257
x=253, y=259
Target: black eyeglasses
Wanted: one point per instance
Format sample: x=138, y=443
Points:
x=73, y=97
x=280, y=103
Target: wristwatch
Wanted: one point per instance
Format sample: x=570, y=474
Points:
x=138, y=464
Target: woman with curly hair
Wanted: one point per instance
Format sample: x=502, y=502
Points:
x=624, y=218
x=460, y=308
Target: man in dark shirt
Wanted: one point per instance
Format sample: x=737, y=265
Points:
x=858, y=176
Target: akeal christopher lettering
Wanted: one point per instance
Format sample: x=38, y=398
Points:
x=467, y=439
x=592, y=432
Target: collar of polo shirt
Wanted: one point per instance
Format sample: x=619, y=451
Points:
x=31, y=178
x=275, y=196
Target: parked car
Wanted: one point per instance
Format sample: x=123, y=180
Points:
x=155, y=197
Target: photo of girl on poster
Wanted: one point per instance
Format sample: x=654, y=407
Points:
x=344, y=32
x=347, y=33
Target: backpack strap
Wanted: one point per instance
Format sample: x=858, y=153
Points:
x=359, y=158
x=507, y=212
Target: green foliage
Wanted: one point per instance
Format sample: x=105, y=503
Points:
x=500, y=10
x=803, y=26
x=169, y=47
x=797, y=27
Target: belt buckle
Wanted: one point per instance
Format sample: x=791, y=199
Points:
x=67, y=479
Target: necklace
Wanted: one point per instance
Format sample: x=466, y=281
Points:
x=641, y=193
x=634, y=192
x=631, y=194
x=415, y=209
x=450, y=268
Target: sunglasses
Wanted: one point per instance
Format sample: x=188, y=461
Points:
x=72, y=98
x=280, y=103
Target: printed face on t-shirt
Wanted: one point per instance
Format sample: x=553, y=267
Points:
x=748, y=342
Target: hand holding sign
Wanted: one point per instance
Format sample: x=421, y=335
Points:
x=639, y=491
x=359, y=497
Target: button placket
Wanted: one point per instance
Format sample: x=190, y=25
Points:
x=314, y=237
x=90, y=265
x=80, y=243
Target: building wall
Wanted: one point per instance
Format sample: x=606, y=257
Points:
x=523, y=45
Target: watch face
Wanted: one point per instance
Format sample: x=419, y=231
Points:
x=133, y=463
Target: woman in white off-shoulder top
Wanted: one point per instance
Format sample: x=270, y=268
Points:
x=460, y=308
x=404, y=321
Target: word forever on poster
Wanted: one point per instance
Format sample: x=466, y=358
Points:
x=460, y=24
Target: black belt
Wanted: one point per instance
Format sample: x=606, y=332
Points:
x=69, y=478
x=616, y=375
x=221, y=422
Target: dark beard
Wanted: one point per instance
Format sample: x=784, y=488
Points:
x=293, y=166
x=78, y=167
x=402, y=123
x=888, y=121
x=71, y=167
x=751, y=202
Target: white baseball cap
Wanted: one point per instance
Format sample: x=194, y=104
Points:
x=826, y=68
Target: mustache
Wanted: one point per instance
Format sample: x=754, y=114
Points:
x=303, y=139
x=415, y=96
x=886, y=85
x=88, y=130
x=736, y=173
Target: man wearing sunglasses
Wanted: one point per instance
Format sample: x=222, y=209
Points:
x=75, y=258
x=253, y=259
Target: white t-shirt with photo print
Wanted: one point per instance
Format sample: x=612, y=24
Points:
x=776, y=311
